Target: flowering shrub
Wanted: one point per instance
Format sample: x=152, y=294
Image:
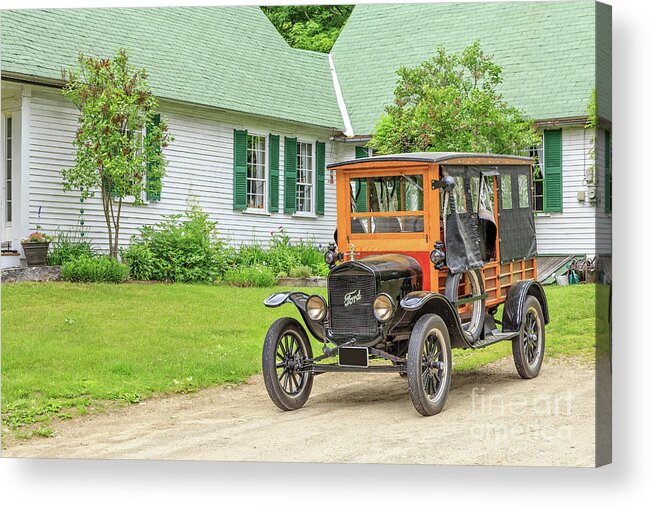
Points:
x=37, y=237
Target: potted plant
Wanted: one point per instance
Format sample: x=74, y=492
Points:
x=35, y=247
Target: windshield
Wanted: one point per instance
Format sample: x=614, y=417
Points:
x=399, y=199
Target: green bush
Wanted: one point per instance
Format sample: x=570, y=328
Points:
x=282, y=256
x=250, y=276
x=140, y=260
x=300, y=272
x=68, y=246
x=185, y=248
x=94, y=269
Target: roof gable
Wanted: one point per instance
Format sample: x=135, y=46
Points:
x=546, y=49
x=227, y=57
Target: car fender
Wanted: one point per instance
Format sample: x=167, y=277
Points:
x=299, y=299
x=424, y=302
x=514, y=303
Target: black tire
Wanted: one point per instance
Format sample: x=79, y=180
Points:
x=475, y=327
x=286, y=343
x=529, y=346
x=429, y=364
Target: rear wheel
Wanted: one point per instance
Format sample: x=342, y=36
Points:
x=286, y=348
x=529, y=346
x=429, y=365
x=475, y=325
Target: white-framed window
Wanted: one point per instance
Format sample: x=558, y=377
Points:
x=256, y=172
x=305, y=160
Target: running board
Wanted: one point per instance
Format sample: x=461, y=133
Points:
x=323, y=368
x=494, y=338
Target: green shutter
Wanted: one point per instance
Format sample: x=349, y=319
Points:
x=609, y=174
x=553, y=180
x=152, y=195
x=360, y=188
x=320, y=178
x=239, y=168
x=290, y=175
x=274, y=171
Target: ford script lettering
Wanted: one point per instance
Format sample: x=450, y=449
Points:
x=352, y=297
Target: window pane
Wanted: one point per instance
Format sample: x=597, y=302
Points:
x=538, y=195
x=523, y=190
x=487, y=197
x=474, y=191
x=304, y=177
x=256, y=171
x=459, y=195
x=507, y=198
x=391, y=194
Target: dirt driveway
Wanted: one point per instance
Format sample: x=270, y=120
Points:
x=491, y=417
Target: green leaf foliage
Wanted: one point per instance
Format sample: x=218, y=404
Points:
x=94, y=269
x=313, y=27
x=119, y=138
x=181, y=248
x=250, y=276
x=451, y=103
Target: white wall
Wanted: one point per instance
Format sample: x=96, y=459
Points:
x=573, y=230
x=200, y=167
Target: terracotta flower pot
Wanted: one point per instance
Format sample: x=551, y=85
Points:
x=35, y=253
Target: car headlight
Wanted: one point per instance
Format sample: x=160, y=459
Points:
x=316, y=308
x=330, y=257
x=383, y=307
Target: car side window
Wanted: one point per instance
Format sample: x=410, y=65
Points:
x=506, y=191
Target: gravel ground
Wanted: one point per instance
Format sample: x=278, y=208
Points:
x=491, y=417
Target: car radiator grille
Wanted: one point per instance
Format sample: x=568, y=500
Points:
x=355, y=318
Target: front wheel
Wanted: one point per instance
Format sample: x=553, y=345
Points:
x=529, y=346
x=286, y=349
x=429, y=364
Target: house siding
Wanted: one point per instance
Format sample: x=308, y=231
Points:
x=200, y=169
x=573, y=230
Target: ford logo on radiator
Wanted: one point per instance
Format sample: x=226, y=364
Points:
x=352, y=297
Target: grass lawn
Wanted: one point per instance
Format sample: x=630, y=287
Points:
x=68, y=349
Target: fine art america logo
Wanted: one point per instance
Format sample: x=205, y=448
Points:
x=352, y=297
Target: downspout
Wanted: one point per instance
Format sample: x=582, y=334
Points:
x=348, y=132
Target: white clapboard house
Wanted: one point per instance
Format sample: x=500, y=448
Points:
x=255, y=121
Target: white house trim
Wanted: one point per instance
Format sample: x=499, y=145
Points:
x=25, y=136
x=348, y=126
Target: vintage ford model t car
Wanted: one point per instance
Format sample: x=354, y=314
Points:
x=428, y=246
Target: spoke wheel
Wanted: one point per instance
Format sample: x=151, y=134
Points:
x=529, y=346
x=286, y=349
x=473, y=327
x=429, y=365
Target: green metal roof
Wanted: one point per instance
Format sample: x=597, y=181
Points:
x=547, y=51
x=227, y=57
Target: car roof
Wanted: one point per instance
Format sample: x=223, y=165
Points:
x=428, y=156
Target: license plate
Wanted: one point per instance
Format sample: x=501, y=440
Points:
x=353, y=356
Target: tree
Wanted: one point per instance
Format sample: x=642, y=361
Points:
x=119, y=139
x=450, y=103
x=314, y=27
